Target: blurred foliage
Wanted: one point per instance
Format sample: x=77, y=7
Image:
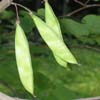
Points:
x=87, y=31
x=52, y=82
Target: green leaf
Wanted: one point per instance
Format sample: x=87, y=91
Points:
x=87, y=40
x=96, y=38
x=27, y=24
x=70, y=26
x=87, y=31
x=56, y=45
x=41, y=12
x=7, y=15
x=92, y=22
x=23, y=59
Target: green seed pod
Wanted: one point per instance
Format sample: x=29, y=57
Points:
x=52, y=39
x=60, y=61
x=52, y=22
x=23, y=60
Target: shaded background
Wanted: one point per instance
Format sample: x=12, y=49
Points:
x=60, y=7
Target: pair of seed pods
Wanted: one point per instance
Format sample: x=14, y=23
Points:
x=51, y=33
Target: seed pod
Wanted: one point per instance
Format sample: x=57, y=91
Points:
x=52, y=22
x=60, y=61
x=23, y=60
x=51, y=38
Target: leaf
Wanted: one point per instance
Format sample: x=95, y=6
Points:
x=97, y=40
x=87, y=40
x=7, y=15
x=23, y=59
x=41, y=12
x=55, y=44
x=70, y=26
x=27, y=24
x=52, y=22
x=87, y=31
x=92, y=22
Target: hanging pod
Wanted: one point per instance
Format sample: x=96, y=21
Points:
x=23, y=59
x=52, y=39
x=52, y=21
x=51, y=33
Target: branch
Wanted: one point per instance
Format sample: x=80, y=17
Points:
x=82, y=8
x=87, y=2
x=94, y=98
x=5, y=97
x=4, y=4
x=79, y=2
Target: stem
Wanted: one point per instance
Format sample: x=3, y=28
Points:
x=13, y=3
x=17, y=13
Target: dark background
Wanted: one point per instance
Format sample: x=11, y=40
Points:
x=61, y=7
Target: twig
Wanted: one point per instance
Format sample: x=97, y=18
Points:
x=94, y=98
x=5, y=97
x=18, y=19
x=82, y=8
x=77, y=1
x=87, y=2
x=13, y=3
x=75, y=11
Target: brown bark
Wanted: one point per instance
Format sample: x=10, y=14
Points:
x=5, y=97
x=91, y=98
x=4, y=4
